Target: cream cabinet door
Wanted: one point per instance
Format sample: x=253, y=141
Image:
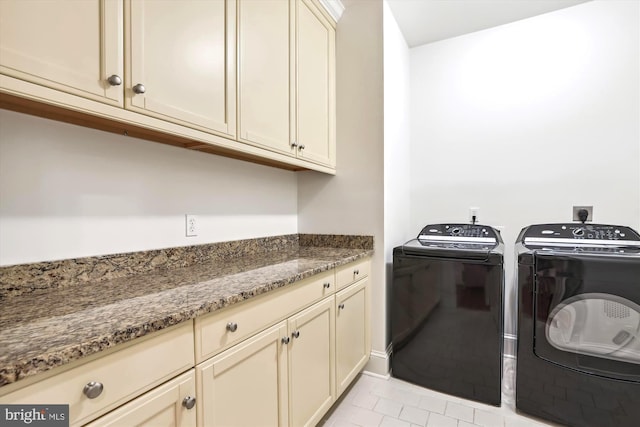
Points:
x=181, y=62
x=353, y=342
x=311, y=363
x=315, y=101
x=264, y=74
x=71, y=46
x=246, y=385
x=171, y=404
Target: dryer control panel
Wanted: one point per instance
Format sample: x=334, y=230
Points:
x=580, y=235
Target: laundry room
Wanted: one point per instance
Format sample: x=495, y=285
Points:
x=522, y=122
x=139, y=202
x=512, y=126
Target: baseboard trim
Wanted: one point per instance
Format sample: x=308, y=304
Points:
x=379, y=363
x=373, y=374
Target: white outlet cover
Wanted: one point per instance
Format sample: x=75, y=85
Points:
x=191, y=225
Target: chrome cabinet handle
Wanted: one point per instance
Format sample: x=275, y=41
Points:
x=327, y=285
x=301, y=147
x=341, y=306
x=285, y=340
x=139, y=89
x=114, y=80
x=189, y=402
x=294, y=144
x=93, y=389
x=296, y=334
x=232, y=326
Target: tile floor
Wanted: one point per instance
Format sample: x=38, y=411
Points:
x=389, y=402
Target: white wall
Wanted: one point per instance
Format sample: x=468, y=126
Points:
x=352, y=201
x=397, y=136
x=527, y=119
x=397, y=139
x=68, y=191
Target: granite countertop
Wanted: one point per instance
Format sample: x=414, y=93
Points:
x=51, y=327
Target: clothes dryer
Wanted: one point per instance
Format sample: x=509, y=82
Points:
x=446, y=311
x=578, y=351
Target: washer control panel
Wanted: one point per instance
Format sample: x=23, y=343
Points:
x=459, y=232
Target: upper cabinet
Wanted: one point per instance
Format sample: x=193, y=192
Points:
x=180, y=61
x=286, y=78
x=71, y=46
x=315, y=84
x=265, y=92
x=252, y=79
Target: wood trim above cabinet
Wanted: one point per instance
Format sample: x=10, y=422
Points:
x=206, y=143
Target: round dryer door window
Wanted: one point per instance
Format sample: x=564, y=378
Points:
x=596, y=324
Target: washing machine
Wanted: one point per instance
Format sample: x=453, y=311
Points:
x=446, y=311
x=578, y=350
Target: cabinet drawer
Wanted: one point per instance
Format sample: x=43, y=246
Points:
x=164, y=405
x=220, y=330
x=352, y=272
x=124, y=374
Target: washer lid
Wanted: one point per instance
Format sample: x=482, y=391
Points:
x=445, y=239
x=453, y=250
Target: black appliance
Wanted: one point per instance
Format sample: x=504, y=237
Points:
x=578, y=353
x=446, y=311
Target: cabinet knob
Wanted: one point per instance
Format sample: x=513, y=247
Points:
x=232, y=326
x=327, y=285
x=286, y=340
x=114, y=80
x=294, y=144
x=356, y=272
x=139, y=88
x=296, y=334
x=301, y=147
x=189, y=402
x=341, y=306
x=93, y=389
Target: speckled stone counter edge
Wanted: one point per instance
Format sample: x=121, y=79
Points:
x=25, y=278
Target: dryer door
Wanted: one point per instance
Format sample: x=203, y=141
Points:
x=588, y=313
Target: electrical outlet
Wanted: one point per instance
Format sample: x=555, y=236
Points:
x=474, y=215
x=577, y=209
x=191, y=225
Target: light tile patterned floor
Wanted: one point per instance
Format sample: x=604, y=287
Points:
x=389, y=402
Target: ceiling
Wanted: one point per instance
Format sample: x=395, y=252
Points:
x=426, y=21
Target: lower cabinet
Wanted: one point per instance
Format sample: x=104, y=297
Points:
x=353, y=342
x=281, y=376
x=253, y=371
x=311, y=363
x=282, y=359
x=171, y=404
